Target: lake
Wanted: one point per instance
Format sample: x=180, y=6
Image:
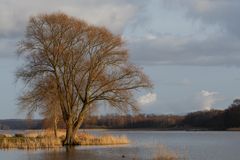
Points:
x=193, y=145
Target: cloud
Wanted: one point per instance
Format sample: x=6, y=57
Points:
x=205, y=93
x=215, y=50
x=147, y=99
x=207, y=99
x=214, y=39
x=115, y=15
x=221, y=12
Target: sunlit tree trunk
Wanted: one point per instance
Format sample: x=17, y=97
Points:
x=71, y=131
x=70, y=136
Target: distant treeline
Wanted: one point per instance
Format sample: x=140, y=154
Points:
x=215, y=119
x=203, y=120
x=19, y=124
x=200, y=120
x=137, y=121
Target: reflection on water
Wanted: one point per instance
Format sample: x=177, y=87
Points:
x=198, y=145
x=76, y=153
x=117, y=152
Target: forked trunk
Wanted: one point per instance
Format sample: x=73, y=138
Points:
x=70, y=136
x=71, y=131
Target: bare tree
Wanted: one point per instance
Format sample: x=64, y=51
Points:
x=88, y=64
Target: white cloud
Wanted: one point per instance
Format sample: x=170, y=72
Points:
x=14, y=15
x=147, y=99
x=207, y=99
x=205, y=93
x=113, y=14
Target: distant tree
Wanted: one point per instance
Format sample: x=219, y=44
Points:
x=87, y=64
x=232, y=114
x=51, y=111
x=43, y=97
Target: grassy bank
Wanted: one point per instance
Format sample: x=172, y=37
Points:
x=46, y=139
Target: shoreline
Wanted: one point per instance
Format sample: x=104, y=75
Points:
x=157, y=129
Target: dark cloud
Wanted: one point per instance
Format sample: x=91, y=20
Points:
x=215, y=50
x=221, y=46
x=216, y=42
x=223, y=13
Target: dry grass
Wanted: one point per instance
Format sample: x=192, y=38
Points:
x=164, y=153
x=82, y=138
x=161, y=152
x=29, y=143
x=5, y=135
x=88, y=139
x=45, y=133
x=46, y=139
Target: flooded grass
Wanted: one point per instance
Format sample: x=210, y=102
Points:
x=163, y=153
x=29, y=142
x=159, y=152
x=46, y=139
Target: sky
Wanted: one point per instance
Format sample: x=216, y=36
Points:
x=188, y=48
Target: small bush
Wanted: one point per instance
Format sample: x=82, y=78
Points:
x=19, y=135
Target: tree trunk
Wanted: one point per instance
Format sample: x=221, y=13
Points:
x=71, y=130
x=70, y=135
x=55, y=127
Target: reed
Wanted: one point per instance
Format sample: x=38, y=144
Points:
x=46, y=139
x=45, y=133
x=29, y=142
x=163, y=153
x=88, y=139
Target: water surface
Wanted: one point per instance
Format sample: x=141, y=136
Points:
x=144, y=145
